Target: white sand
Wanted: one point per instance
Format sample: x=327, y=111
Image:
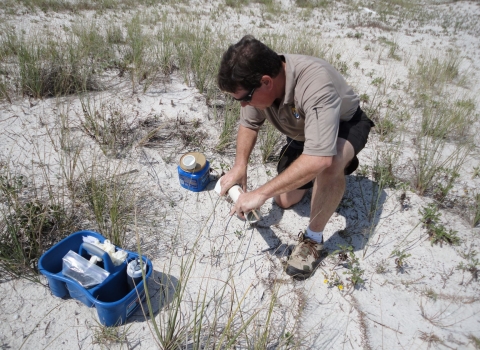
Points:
x=398, y=309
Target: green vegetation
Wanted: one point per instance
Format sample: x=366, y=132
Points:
x=351, y=262
x=400, y=259
x=31, y=223
x=228, y=116
x=269, y=139
x=436, y=230
x=78, y=82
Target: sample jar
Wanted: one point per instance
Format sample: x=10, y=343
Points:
x=193, y=171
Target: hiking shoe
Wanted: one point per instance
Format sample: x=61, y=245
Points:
x=305, y=257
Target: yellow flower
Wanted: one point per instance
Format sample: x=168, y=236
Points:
x=325, y=281
x=340, y=287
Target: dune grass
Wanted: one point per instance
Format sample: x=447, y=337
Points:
x=144, y=52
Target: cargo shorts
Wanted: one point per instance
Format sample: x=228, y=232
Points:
x=356, y=131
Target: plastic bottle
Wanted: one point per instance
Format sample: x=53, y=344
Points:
x=134, y=273
x=193, y=171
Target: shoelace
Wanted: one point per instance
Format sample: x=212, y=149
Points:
x=308, y=247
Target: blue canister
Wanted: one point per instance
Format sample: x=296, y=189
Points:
x=193, y=171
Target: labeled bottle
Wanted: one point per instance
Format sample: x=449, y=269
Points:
x=193, y=171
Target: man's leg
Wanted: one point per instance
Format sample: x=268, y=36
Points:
x=289, y=153
x=327, y=193
x=329, y=187
x=286, y=200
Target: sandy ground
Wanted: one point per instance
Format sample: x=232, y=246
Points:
x=428, y=302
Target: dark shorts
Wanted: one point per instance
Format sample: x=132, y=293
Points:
x=355, y=131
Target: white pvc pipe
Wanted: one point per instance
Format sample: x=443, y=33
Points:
x=235, y=192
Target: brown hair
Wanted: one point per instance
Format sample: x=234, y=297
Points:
x=244, y=64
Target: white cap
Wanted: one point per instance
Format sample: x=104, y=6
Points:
x=189, y=162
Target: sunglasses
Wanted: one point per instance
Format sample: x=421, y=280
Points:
x=247, y=97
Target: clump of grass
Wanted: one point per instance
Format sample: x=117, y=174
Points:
x=475, y=210
x=109, y=201
x=235, y=4
x=109, y=126
x=80, y=5
x=4, y=93
x=392, y=47
x=50, y=70
x=382, y=170
x=430, y=215
x=229, y=115
x=311, y=4
x=432, y=72
x=432, y=167
x=448, y=119
x=176, y=326
x=373, y=105
x=444, y=119
x=115, y=34
x=198, y=56
x=137, y=44
x=430, y=293
x=92, y=42
x=29, y=225
x=46, y=66
x=444, y=185
x=386, y=125
x=110, y=335
x=165, y=49
x=269, y=138
x=354, y=272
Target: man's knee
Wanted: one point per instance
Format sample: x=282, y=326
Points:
x=345, y=154
x=286, y=200
x=337, y=167
x=281, y=202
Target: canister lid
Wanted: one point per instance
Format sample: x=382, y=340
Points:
x=200, y=161
x=189, y=162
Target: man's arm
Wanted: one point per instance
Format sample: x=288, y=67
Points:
x=303, y=170
x=246, y=139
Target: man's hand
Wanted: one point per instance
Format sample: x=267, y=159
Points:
x=247, y=202
x=236, y=175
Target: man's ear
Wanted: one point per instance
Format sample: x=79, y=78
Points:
x=267, y=80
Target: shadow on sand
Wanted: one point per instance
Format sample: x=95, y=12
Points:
x=161, y=290
x=361, y=206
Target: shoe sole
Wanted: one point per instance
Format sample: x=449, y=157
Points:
x=301, y=275
x=297, y=274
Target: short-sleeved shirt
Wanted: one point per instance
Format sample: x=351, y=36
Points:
x=316, y=99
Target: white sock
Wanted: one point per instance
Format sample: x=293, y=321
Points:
x=314, y=236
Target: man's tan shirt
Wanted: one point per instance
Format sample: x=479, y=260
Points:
x=316, y=99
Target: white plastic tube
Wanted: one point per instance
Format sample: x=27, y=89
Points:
x=234, y=192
